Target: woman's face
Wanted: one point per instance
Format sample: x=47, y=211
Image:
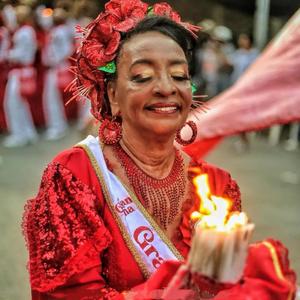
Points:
x=244, y=41
x=153, y=91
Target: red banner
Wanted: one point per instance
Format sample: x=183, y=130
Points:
x=268, y=93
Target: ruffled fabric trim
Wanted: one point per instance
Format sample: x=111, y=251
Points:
x=280, y=257
x=232, y=191
x=63, y=229
x=109, y=293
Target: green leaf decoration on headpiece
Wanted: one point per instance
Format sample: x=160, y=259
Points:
x=194, y=88
x=150, y=11
x=109, y=68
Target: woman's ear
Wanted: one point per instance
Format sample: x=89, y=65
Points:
x=111, y=93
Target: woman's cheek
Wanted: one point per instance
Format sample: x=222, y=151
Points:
x=187, y=94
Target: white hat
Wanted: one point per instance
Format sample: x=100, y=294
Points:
x=9, y=17
x=207, y=25
x=222, y=33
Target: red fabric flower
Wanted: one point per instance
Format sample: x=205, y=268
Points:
x=128, y=13
x=126, y=9
x=102, y=50
x=164, y=9
x=84, y=71
x=103, y=39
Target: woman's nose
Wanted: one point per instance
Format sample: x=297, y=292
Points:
x=164, y=86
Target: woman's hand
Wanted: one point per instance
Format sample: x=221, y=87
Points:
x=172, y=281
x=180, y=286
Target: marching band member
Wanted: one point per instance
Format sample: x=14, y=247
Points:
x=21, y=82
x=58, y=49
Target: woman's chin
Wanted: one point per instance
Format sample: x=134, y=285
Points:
x=164, y=128
x=166, y=123
x=165, y=131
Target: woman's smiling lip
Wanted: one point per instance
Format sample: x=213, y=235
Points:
x=163, y=108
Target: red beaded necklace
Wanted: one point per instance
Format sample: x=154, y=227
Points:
x=161, y=197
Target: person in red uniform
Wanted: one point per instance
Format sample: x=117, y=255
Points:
x=111, y=218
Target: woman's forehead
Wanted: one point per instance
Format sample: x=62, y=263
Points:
x=151, y=44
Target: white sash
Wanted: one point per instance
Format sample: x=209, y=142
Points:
x=146, y=241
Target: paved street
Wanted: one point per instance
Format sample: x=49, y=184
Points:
x=269, y=178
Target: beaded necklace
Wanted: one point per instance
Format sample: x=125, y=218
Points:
x=161, y=197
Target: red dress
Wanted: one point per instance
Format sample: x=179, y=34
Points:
x=76, y=248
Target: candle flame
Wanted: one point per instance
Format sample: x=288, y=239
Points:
x=214, y=211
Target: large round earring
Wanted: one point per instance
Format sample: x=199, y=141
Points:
x=110, y=131
x=183, y=142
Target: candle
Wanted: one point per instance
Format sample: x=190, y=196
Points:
x=221, y=238
x=220, y=255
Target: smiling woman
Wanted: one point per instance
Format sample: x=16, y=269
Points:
x=152, y=91
x=112, y=216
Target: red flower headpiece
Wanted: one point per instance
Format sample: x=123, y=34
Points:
x=100, y=43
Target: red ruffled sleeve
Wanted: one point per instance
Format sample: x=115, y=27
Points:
x=65, y=236
x=267, y=275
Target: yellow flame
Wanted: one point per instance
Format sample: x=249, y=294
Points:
x=195, y=216
x=214, y=212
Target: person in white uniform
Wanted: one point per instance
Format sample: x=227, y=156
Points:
x=21, y=57
x=243, y=57
x=241, y=60
x=58, y=49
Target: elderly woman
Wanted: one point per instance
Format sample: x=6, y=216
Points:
x=111, y=219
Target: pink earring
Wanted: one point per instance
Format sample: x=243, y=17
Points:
x=183, y=142
x=110, y=131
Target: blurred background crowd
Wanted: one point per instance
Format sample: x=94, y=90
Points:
x=37, y=46
x=38, y=41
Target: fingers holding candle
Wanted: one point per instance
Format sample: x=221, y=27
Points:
x=179, y=286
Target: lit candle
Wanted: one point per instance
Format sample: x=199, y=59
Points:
x=220, y=255
x=221, y=238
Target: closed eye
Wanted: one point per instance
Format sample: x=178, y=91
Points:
x=181, y=78
x=140, y=79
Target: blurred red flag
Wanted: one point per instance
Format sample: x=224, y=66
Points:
x=268, y=93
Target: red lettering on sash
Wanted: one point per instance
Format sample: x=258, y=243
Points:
x=150, y=250
x=123, y=206
x=156, y=262
x=145, y=244
x=127, y=201
x=148, y=236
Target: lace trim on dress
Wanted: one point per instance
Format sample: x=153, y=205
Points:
x=232, y=191
x=109, y=293
x=63, y=229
